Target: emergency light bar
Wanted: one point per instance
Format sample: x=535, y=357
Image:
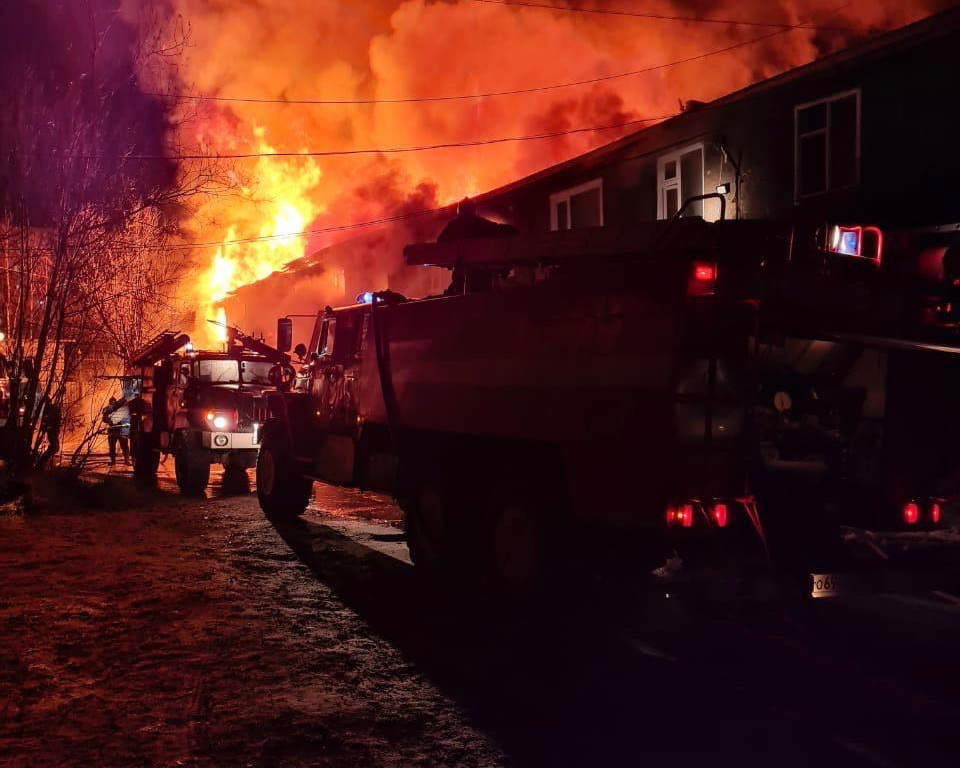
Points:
x=856, y=241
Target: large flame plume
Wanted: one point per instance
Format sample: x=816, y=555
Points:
x=381, y=49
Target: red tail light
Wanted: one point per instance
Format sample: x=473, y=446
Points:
x=703, y=272
x=703, y=278
x=911, y=513
x=682, y=515
x=935, y=512
x=720, y=514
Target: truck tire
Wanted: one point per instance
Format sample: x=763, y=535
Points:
x=146, y=458
x=282, y=491
x=518, y=546
x=192, y=468
x=426, y=517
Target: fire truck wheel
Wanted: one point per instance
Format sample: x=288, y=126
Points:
x=517, y=542
x=193, y=470
x=282, y=491
x=427, y=524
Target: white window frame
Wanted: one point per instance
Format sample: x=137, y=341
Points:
x=564, y=197
x=825, y=130
x=664, y=184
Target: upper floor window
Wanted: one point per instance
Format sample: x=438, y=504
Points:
x=577, y=207
x=827, y=144
x=680, y=177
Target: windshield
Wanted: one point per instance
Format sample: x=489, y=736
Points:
x=218, y=371
x=256, y=372
x=228, y=371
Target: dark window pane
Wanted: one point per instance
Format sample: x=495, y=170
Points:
x=563, y=220
x=670, y=202
x=843, y=142
x=691, y=181
x=812, y=118
x=812, y=167
x=585, y=209
x=670, y=170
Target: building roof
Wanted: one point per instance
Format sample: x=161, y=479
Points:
x=884, y=44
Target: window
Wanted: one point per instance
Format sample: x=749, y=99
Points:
x=577, y=207
x=680, y=177
x=256, y=371
x=827, y=144
x=218, y=371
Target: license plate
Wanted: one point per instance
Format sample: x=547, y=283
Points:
x=826, y=584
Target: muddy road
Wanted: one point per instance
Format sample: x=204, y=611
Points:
x=165, y=632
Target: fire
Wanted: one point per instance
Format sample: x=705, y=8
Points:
x=367, y=50
x=283, y=200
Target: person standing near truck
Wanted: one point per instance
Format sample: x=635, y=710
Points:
x=117, y=418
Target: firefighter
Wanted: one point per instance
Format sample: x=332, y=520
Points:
x=117, y=418
x=51, y=420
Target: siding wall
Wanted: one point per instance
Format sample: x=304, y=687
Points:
x=909, y=161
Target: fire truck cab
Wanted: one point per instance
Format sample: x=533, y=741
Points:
x=203, y=407
x=754, y=383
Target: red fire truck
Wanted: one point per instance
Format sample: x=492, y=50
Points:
x=203, y=407
x=666, y=386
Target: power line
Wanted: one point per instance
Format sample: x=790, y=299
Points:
x=667, y=17
x=395, y=150
x=303, y=233
x=488, y=94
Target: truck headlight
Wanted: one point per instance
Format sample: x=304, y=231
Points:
x=220, y=422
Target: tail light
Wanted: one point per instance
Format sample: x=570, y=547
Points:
x=936, y=512
x=682, y=516
x=911, y=513
x=703, y=278
x=720, y=514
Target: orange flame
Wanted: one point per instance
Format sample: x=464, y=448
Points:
x=370, y=49
x=285, y=201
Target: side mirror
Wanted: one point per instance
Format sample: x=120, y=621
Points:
x=284, y=334
x=300, y=351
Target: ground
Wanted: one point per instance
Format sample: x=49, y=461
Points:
x=162, y=632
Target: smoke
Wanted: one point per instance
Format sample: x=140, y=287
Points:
x=383, y=49
x=69, y=75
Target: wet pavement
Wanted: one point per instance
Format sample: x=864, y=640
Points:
x=165, y=632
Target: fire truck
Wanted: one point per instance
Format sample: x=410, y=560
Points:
x=203, y=407
x=671, y=386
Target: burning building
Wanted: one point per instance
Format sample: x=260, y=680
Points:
x=336, y=114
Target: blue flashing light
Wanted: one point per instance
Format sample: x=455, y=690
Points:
x=365, y=298
x=849, y=242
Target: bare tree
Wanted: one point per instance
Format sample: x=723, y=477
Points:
x=87, y=272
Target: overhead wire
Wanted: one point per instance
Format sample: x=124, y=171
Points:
x=392, y=150
x=487, y=94
x=302, y=233
x=665, y=16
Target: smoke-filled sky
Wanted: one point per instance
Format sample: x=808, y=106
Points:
x=384, y=49
x=302, y=49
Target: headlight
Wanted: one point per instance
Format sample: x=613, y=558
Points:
x=220, y=422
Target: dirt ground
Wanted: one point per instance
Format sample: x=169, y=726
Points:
x=143, y=629
x=178, y=633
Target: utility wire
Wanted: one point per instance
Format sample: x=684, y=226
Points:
x=488, y=94
x=303, y=233
x=394, y=150
x=667, y=17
